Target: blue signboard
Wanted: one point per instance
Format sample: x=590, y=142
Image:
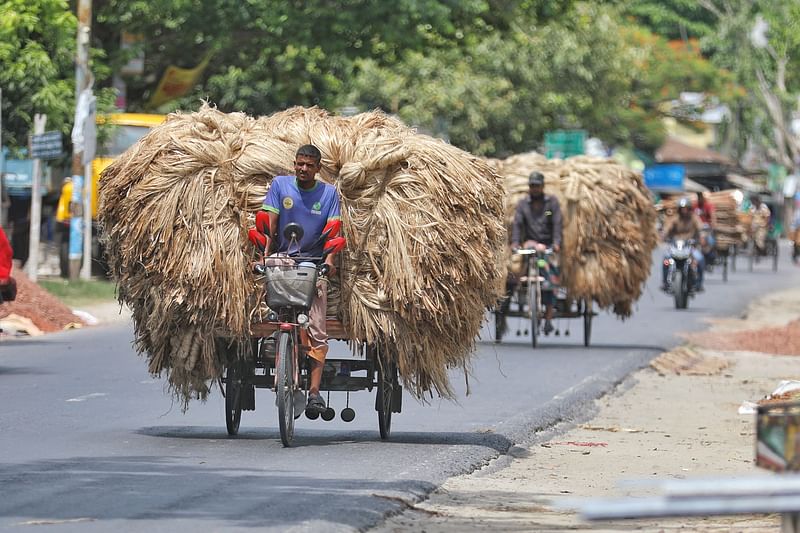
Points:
x=665, y=177
x=18, y=177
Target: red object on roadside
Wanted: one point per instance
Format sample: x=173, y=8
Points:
x=8, y=285
x=5, y=258
x=262, y=222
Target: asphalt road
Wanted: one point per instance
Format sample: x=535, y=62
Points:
x=90, y=442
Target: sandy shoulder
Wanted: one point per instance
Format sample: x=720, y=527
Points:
x=654, y=426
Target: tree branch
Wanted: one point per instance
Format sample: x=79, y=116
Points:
x=709, y=6
x=783, y=137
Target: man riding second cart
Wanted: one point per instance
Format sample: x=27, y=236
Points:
x=759, y=227
x=304, y=200
x=537, y=225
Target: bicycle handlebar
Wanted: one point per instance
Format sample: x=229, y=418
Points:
x=323, y=269
x=531, y=251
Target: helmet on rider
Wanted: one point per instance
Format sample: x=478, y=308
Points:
x=684, y=207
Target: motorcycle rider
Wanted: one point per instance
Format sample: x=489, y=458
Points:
x=537, y=225
x=685, y=226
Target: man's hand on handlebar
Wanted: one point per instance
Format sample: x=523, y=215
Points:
x=331, y=270
x=533, y=245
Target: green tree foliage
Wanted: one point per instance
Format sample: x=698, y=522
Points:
x=37, y=47
x=491, y=75
x=500, y=94
x=661, y=71
x=758, y=41
x=671, y=19
x=37, y=68
x=586, y=70
x=269, y=54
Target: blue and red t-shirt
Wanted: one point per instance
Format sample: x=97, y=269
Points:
x=311, y=208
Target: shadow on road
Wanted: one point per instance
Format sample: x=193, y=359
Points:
x=577, y=346
x=307, y=437
x=113, y=488
x=22, y=371
x=28, y=341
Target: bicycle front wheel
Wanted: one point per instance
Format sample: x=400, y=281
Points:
x=285, y=385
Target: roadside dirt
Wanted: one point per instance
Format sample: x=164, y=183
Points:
x=46, y=311
x=676, y=419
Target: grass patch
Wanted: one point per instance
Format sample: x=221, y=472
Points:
x=80, y=292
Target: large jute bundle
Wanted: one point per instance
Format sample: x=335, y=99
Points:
x=609, y=224
x=423, y=221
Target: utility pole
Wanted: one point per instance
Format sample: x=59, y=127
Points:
x=89, y=145
x=32, y=264
x=82, y=77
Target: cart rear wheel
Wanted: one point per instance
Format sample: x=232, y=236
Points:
x=499, y=325
x=587, y=322
x=533, y=301
x=775, y=256
x=384, y=399
x=284, y=386
x=725, y=268
x=233, y=397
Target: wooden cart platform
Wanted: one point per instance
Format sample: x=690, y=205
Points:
x=333, y=325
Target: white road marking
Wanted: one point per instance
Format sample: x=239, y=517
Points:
x=87, y=397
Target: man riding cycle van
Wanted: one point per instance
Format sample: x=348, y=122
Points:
x=311, y=203
x=759, y=226
x=537, y=225
x=684, y=227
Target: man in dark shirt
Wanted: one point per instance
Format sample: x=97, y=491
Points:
x=537, y=225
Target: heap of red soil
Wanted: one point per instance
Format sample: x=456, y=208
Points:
x=46, y=311
x=784, y=340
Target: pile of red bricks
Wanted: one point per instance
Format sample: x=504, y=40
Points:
x=46, y=311
x=783, y=340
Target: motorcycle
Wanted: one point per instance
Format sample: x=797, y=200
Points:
x=681, y=272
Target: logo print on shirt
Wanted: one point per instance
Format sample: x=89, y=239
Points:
x=316, y=209
x=288, y=203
